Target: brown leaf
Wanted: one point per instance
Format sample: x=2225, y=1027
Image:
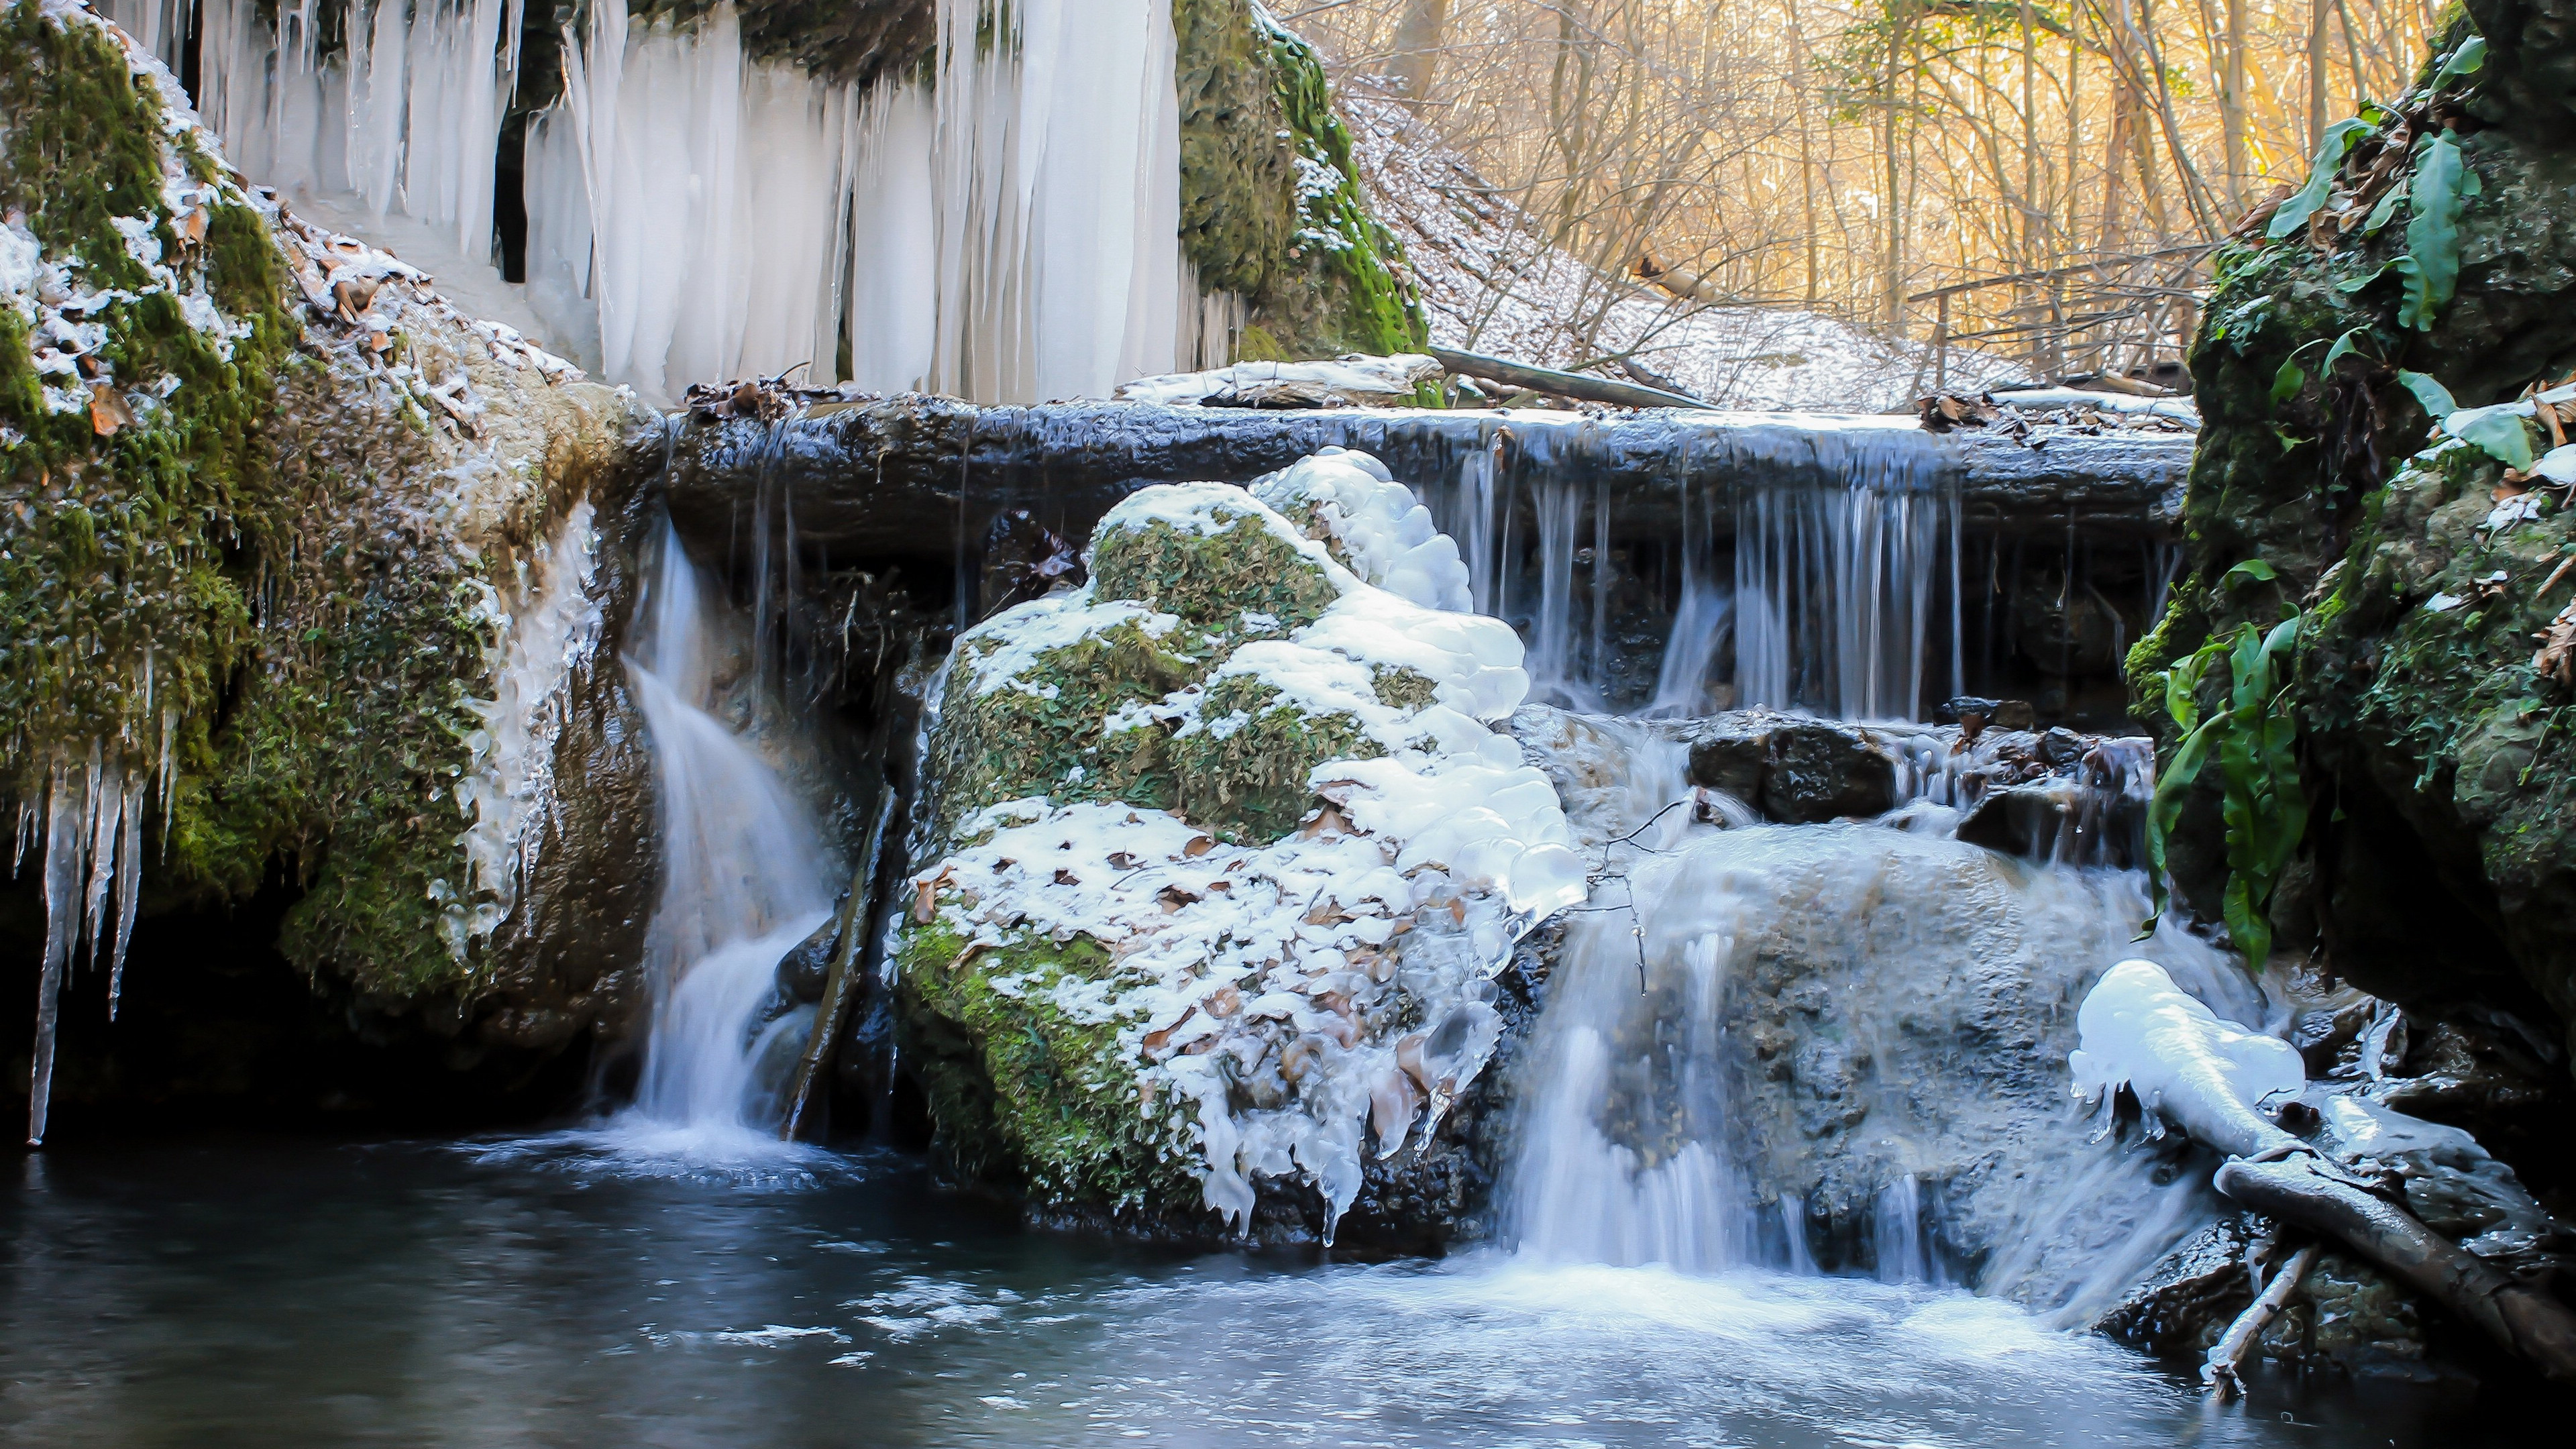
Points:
x=1199, y=845
x=1157, y=1040
x=2557, y=656
x=1066, y=877
x=192, y=227
x=1174, y=897
x=1223, y=1002
x=1328, y=821
x=1123, y=860
x=925, y=907
x=107, y=409
x=354, y=296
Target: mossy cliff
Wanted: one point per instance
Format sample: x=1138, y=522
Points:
x=1271, y=207
x=279, y=532
x=2431, y=263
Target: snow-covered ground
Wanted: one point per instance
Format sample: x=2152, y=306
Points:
x=1491, y=284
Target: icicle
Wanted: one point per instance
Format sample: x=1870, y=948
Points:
x=129, y=881
x=66, y=832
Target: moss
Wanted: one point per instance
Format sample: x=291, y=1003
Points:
x=1243, y=772
x=1212, y=579
x=1018, y=1087
x=1271, y=208
x=125, y=590
x=240, y=582
x=1048, y=739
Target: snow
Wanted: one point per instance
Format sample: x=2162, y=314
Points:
x=2181, y=1060
x=1283, y=962
x=1460, y=237
x=1357, y=379
x=1386, y=537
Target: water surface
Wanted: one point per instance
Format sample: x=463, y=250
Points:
x=572, y=1292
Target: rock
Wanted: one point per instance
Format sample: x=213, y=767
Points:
x=416, y=712
x=2185, y=1303
x=807, y=968
x=1794, y=769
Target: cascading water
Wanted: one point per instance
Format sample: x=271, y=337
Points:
x=743, y=883
x=1815, y=568
x=1832, y=1047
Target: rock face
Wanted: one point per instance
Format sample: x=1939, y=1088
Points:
x=343, y=572
x=2437, y=868
x=1224, y=868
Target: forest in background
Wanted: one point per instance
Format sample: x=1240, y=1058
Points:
x=2058, y=172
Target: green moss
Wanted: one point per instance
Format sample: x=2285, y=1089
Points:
x=1048, y=738
x=1212, y=579
x=1244, y=771
x=238, y=578
x=1026, y=1096
x=125, y=590
x=1271, y=208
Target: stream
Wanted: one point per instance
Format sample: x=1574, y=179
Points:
x=547, y=1291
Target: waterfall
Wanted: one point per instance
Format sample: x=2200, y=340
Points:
x=1750, y=1054
x=743, y=883
x=1813, y=567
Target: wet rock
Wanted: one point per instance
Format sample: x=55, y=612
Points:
x=2186, y=1301
x=1974, y=714
x=805, y=970
x=1795, y=770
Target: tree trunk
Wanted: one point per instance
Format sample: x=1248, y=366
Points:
x=1417, y=49
x=2319, y=11
x=2231, y=104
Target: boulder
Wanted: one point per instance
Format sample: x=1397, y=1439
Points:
x=1794, y=769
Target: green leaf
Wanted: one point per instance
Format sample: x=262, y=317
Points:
x=2343, y=347
x=2433, y=233
x=2402, y=266
x=2435, y=397
x=2252, y=570
x=2497, y=429
x=2387, y=208
x=2294, y=213
x=2287, y=382
x=2467, y=60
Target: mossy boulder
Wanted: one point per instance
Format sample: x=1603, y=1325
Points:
x=277, y=522
x=2440, y=859
x=1157, y=949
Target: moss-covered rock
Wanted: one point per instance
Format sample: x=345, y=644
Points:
x=1160, y=950
x=2435, y=868
x=278, y=524
x=1271, y=207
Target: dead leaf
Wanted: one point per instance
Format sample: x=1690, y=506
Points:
x=354, y=295
x=1157, y=1040
x=925, y=907
x=2557, y=656
x=107, y=409
x=1123, y=860
x=1408, y=1055
x=1327, y=821
x=1066, y=877
x=192, y=228
x=1173, y=897
x=1223, y=1002
x=1199, y=845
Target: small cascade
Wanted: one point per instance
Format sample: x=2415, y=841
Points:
x=1749, y=1055
x=744, y=881
x=1816, y=567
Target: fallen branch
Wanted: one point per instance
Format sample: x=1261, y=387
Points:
x=841, y=983
x=1563, y=384
x=2221, y=1372
x=2298, y=1189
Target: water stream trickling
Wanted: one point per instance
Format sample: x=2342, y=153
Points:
x=743, y=883
x=1834, y=1048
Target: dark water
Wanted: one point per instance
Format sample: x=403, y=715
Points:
x=270, y=1293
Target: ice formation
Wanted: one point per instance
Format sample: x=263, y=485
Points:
x=541, y=633
x=1270, y=973
x=1008, y=228
x=2184, y=1064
